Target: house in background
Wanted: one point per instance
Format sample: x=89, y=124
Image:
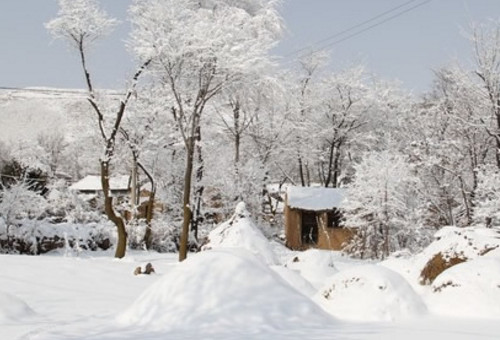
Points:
x=90, y=189
x=313, y=218
x=91, y=185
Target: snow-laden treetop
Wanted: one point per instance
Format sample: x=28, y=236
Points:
x=314, y=198
x=80, y=21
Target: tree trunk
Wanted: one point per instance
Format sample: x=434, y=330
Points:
x=148, y=235
x=497, y=137
x=497, y=148
x=468, y=210
x=330, y=164
x=188, y=173
x=121, y=246
x=308, y=175
x=197, y=219
x=133, y=187
x=386, y=229
x=301, y=171
x=237, y=143
x=237, y=132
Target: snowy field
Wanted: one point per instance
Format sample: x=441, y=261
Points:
x=244, y=287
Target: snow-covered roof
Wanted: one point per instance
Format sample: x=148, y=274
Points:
x=93, y=183
x=314, y=198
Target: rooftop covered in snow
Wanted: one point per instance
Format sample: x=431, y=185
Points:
x=93, y=183
x=314, y=198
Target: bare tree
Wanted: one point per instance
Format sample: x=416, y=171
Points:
x=81, y=23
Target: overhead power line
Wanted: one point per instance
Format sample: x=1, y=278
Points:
x=338, y=34
x=42, y=90
x=358, y=32
x=55, y=91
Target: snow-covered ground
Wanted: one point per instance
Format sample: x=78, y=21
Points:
x=230, y=292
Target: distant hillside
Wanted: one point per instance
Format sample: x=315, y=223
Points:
x=26, y=113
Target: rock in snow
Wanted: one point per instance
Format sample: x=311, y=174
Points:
x=223, y=289
x=241, y=232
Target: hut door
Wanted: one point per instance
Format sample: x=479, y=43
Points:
x=309, y=228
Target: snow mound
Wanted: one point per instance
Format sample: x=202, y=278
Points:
x=453, y=245
x=13, y=308
x=469, y=289
x=314, y=265
x=370, y=293
x=295, y=280
x=241, y=232
x=469, y=242
x=219, y=290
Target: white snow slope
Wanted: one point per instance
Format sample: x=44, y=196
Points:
x=230, y=293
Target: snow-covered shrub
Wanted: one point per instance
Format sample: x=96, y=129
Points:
x=64, y=205
x=164, y=236
x=19, y=170
x=19, y=201
x=28, y=220
x=487, y=197
x=37, y=237
x=227, y=185
x=136, y=230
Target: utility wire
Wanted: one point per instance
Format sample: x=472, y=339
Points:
x=376, y=24
x=329, y=45
x=42, y=90
x=338, y=34
x=54, y=91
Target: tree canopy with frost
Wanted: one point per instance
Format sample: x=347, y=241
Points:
x=80, y=23
x=382, y=202
x=487, y=197
x=197, y=48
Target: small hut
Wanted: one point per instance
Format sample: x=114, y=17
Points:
x=313, y=218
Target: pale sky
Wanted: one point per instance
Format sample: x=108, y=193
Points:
x=406, y=48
